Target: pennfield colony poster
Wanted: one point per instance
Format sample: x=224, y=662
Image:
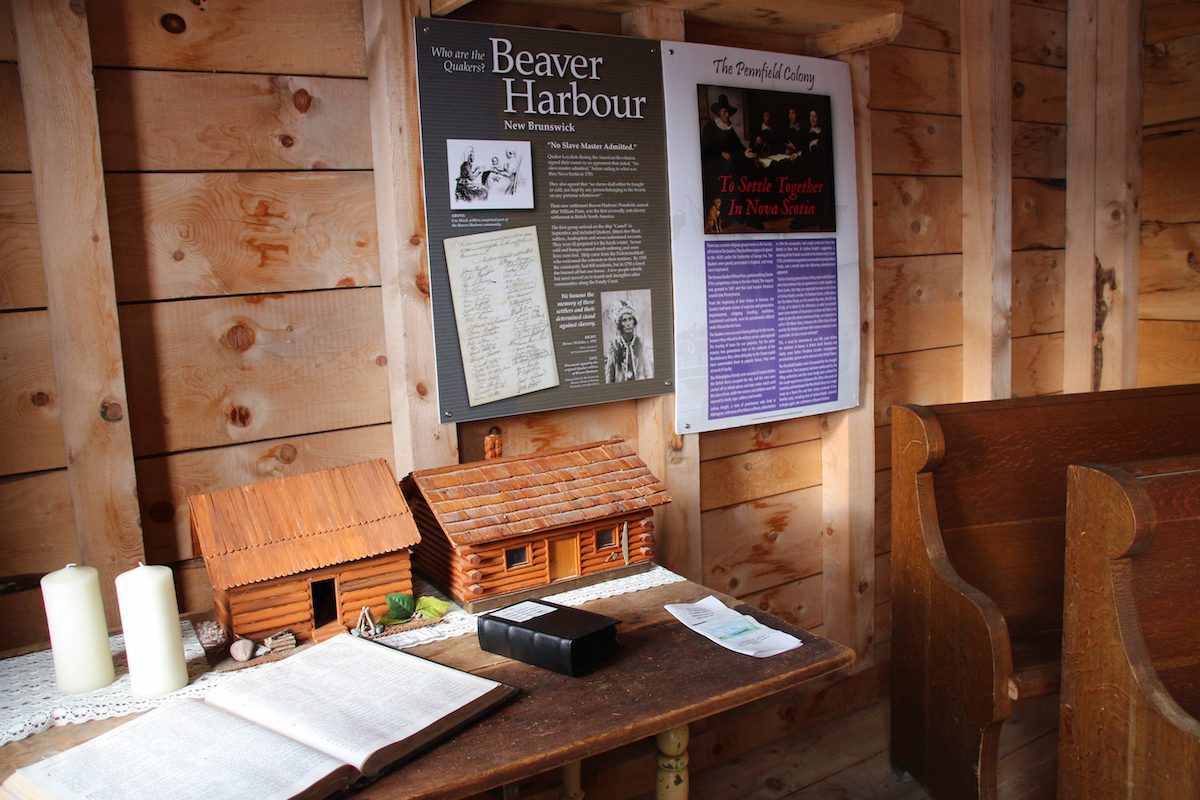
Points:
x=764, y=235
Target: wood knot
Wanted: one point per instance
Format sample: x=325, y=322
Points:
x=172, y=23
x=285, y=453
x=734, y=583
x=302, y=100
x=39, y=399
x=346, y=283
x=111, y=411
x=239, y=338
x=422, y=389
x=239, y=416
x=415, y=240
x=162, y=512
x=286, y=140
x=863, y=586
x=423, y=283
x=178, y=255
x=1018, y=89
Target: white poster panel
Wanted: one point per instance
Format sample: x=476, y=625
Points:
x=764, y=235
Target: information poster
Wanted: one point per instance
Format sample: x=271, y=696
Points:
x=545, y=182
x=764, y=235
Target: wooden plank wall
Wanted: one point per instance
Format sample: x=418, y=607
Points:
x=236, y=145
x=918, y=167
x=1169, y=284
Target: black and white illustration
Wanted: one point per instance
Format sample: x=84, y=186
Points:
x=486, y=174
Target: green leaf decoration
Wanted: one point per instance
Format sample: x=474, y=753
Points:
x=400, y=606
x=431, y=607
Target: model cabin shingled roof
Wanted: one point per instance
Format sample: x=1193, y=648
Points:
x=290, y=525
x=494, y=500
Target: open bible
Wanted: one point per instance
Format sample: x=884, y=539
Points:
x=303, y=727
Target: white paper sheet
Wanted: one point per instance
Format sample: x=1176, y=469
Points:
x=738, y=632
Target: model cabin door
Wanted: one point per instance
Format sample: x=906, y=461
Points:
x=324, y=602
x=564, y=557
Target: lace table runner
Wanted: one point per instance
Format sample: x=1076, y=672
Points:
x=30, y=702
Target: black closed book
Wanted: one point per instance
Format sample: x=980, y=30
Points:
x=559, y=638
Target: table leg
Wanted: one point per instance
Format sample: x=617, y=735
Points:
x=672, y=782
x=572, y=781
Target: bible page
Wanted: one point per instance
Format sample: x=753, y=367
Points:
x=186, y=751
x=350, y=698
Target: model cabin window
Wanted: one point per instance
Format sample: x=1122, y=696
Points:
x=606, y=537
x=516, y=556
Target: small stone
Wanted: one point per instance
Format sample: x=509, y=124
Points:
x=242, y=650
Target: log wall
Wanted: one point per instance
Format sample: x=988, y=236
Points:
x=1169, y=282
x=918, y=166
x=242, y=205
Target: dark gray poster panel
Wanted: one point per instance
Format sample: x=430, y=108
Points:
x=546, y=202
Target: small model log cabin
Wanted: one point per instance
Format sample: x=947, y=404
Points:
x=307, y=552
x=494, y=532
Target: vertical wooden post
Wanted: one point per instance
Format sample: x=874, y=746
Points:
x=987, y=199
x=1104, y=182
x=419, y=438
x=1117, y=210
x=848, y=438
x=673, y=457
x=59, y=97
x=1079, y=303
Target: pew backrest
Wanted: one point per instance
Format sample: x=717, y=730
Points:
x=1131, y=655
x=978, y=542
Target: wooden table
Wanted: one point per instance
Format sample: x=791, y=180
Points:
x=664, y=678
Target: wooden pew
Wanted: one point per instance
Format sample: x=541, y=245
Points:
x=978, y=529
x=1130, y=704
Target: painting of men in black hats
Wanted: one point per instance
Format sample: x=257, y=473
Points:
x=766, y=161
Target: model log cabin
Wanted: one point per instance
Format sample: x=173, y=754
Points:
x=493, y=532
x=307, y=552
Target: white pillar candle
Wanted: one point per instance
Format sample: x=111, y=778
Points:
x=150, y=620
x=78, y=629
